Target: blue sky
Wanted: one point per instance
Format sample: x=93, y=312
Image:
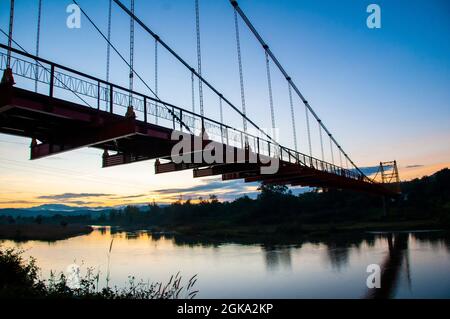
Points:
x=384, y=93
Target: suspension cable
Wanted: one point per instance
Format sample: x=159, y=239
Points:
x=183, y=62
x=294, y=130
x=131, y=53
x=193, y=91
x=221, y=109
x=237, y=9
x=108, y=46
x=241, y=74
x=156, y=80
x=115, y=50
x=308, y=130
x=321, y=141
x=199, y=55
x=10, y=32
x=331, y=149
x=128, y=64
x=38, y=40
x=269, y=83
x=340, y=157
x=40, y=64
x=221, y=116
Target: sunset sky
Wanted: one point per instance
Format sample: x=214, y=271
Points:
x=384, y=93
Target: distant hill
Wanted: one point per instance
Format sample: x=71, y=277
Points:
x=61, y=208
x=54, y=209
x=48, y=210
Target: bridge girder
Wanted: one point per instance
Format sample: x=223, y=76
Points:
x=88, y=138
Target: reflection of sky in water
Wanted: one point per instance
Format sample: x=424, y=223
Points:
x=329, y=269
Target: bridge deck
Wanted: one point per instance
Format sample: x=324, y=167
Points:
x=60, y=126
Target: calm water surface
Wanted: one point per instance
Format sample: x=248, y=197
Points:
x=417, y=265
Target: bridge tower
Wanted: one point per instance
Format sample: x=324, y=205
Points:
x=390, y=179
x=389, y=175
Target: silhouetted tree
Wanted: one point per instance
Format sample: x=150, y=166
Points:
x=38, y=220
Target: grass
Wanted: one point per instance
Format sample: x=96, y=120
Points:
x=19, y=278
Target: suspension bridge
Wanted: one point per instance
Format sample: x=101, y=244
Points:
x=62, y=109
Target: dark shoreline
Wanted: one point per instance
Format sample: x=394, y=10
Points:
x=273, y=235
x=42, y=232
x=242, y=236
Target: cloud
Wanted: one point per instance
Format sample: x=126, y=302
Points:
x=222, y=189
x=81, y=202
x=370, y=170
x=414, y=166
x=232, y=196
x=207, y=186
x=128, y=196
x=17, y=202
x=69, y=196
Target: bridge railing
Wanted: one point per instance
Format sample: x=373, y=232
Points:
x=58, y=81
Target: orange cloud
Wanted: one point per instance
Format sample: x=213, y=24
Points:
x=418, y=171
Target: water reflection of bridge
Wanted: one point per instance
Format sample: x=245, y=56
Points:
x=338, y=251
x=277, y=256
x=391, y=267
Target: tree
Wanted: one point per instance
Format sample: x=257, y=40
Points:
x=270, y=190
x=11, y=220
x=113, y=215
x=213, y=199
x=102, y=217
x=132, y=213
x=38, y=220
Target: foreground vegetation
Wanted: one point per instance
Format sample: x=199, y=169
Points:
x=19, y=278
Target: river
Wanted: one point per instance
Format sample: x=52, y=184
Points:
x=414, y=265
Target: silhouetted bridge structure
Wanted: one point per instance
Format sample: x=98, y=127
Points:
x=72, y=110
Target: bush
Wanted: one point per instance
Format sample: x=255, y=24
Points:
x=19, y=278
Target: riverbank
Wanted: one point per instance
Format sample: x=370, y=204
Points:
x=288, y=233
x=45, y=232
x=275, y=234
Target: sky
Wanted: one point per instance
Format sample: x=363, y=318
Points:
x=383, y=93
